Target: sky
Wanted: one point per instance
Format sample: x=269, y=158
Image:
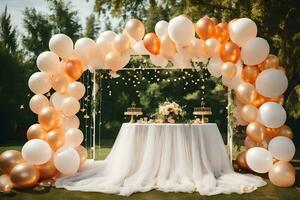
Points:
x=16, y=8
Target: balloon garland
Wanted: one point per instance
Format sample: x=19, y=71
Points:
x=231, y=50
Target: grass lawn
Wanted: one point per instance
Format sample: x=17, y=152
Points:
x=264, y=193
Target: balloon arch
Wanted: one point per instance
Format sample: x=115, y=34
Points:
x=231, y=50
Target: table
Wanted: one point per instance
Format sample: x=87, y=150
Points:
x=166, y=157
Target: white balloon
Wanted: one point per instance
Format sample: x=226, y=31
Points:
x=71, y=122
x=181, y=30
x=38, y=102
x=214, y=66
x=70, y=106
x=139, y=49
x=76, y=89
x=242, y=30
x=56, y=100
x=67, y=161
x=282, y=148
x=39, y=83
x=161, y=28
x=272, y=115
x=125, y=59
x=212, y=47
x=259, y=159
x=61, y=45
x=86, y=48
x=271, y=83
x=255, y=51
x=36, y=151
x=48, y=62
x=73, y=137
x=180, y=61
x=158, y=60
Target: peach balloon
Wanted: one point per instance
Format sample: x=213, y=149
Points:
x=55, y=139
x=249, y=113
x=114, y=61
x=83, y=153
x=230, y=52
x=286, y=131
x=9, y=159
x=222, y=33
x=122, y=43
x=24, y=176
x=214, y=20
x=76, y=89
x=135, y=29
x=73, y=69
x=152, y=43
x=48, y=118
x=256, y=131
x=246, y=93
x=168, y=47
x=59, y=82
x=250, y=73
x=6, y=185
x=205, y=28
x=47, y=170
x=39, y=83
x=38, y=102
x=74, y=137
x=272, y=132
x=70, y=106
x=249, y=143
x=228, y=70
x=282, y=174
x=271, y=61
x=36, y=131
x=212, y=47
x=241, y=160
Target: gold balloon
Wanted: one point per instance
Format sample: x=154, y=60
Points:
x=46, y=170
x=24, y=176
x=113, y=61
x=222, y=33
x=73, y=69
x=235, y=166
x=230, y=52
x=279, y=99
x=9, y=159
x=271, y=61
x=55, y=139
x=168, y=47
x=281, y=68
x=228, y=70
x=135, y=29
x=249, y=113
x=5, y=183
x=122, y=43
x=152, y=43
x=82, y=153
x=35, y=131
x=272, y=132
x=250, y=73
x=258, y=101
x=48, y=118
x=286, y=131
x=256, y=132
x=241, y=160
x=246, y=93
x=248, y=143
x=214, y=20
x=205, y=28
x=282, y=174
x=60, y=82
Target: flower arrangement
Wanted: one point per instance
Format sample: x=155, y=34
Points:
x=170, y=112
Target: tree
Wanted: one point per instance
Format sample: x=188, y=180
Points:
x=8, y=33
x=92, y=28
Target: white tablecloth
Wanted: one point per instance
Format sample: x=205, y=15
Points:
x=166, y=157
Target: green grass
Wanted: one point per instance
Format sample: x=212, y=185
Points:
x=265, y=193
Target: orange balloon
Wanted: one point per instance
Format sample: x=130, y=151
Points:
x=271, y=61
x=256, y=132
x=241, y=160
x=286, y=131
x=222, y=33
x=82, y=153
x=250, y=73
x=214, y=20
x=279, y=99
x=9, y=159
x=272, y=132
x=60, y=82
x=282, y=174
x=205, y=28
x=168, y=47
x=152, y=43
x=228, y=70
x=48, y=118
x=246, y=93
x=24, y=176
x=259, y=100
x=249, y=143
x=135, y=29
x=230, y=52
x=73, y=69
x=46, y=170
x=36, y=131
x=281, y=68
x=55, y=139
